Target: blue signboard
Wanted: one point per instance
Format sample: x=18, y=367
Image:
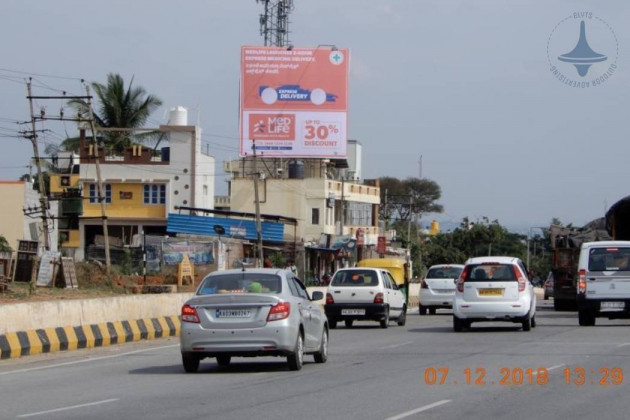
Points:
x=234, y=228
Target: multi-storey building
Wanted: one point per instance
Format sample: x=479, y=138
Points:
x=141, y=186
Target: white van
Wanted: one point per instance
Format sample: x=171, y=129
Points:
x=603, y=288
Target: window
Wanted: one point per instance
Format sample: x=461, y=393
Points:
x=94, y=193
x=315, y=216
x=241, y=283
x=154, y=194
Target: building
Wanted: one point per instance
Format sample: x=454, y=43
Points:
x=20, y=218
x=142, y=186
x=335, y=216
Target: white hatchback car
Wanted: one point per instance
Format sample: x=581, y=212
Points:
x=494, y=289
x=438, y=287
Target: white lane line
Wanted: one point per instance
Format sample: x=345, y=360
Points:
x=91, y=359
x=623, y=345
x=393, y=346
x=72, y=407
x=418, y=410
x=549, y=368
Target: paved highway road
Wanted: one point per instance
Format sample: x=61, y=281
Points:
x=371, y=374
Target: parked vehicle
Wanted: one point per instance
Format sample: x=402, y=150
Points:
x=357, y=294
x=438, y=287
x=254, y=312
x=494, y=289
x=548, y=285
x=603, y=281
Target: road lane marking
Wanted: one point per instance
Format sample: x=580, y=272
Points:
x=550, y=368
x=623, y=345
x=71, y=407
x=418, y=410
x=393, y=346
x=91, y=359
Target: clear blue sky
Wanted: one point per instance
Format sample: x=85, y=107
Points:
x=466, y=84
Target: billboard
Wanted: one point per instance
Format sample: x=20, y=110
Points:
x=294, y=101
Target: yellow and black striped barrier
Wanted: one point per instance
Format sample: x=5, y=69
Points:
x=25, y=343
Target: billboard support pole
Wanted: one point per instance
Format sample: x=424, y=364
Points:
x=260, y=260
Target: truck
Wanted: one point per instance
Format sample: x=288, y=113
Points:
x=565, y=244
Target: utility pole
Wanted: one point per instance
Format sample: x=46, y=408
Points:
x=343, y=206
x=99, y=180
x=257, y=202
x=43, y=202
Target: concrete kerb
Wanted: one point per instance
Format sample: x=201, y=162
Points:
x=49, y=326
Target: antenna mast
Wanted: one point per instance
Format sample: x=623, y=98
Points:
x=274, y=22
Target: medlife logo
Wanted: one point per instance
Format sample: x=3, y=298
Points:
x=582, y=51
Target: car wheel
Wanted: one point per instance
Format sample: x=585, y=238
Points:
x=402, y=319
x=322, y=355
x=432, y=311
x=296, y=359
x=224, y=360
x=586, y=318
x=534, y=321
x=527, y=324
x=348, y=323
x=332, y=323
x=385, y=320
x=190, y=362
x=458, y=324
x=423, y=310
x=546, y=297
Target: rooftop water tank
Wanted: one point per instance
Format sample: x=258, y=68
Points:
x=296, y=169
x=178, y=116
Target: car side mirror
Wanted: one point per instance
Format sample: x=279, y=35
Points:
x=317, y=295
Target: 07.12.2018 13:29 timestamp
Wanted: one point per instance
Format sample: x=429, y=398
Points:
x=516, y=376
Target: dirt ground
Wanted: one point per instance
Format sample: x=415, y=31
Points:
x=92, y=283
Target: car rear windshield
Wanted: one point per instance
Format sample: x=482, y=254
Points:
x=609, y=259
x=492, y=272
x=444, y=272
x=354, y=278
x=241, y=283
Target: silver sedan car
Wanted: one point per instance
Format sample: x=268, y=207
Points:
x=252, y=312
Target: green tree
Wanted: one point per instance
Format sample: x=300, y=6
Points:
x=119, y=107
x=4, y=244
x=402, y=199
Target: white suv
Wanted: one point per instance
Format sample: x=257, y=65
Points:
x=494, y=289
x=603, y=281
x=364, y=294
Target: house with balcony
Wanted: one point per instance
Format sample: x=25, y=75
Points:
x=142, y=185
x=336, y=211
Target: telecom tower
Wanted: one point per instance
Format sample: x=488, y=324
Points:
x=274, y=22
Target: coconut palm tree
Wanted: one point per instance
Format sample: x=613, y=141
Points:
x=119, y=107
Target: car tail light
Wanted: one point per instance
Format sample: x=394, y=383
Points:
x=582, y=281
x=189, y=314
x=460, y=285
x=378, y=298
x=423, y=284
x=279, y=311
x=522, y=283
x=329, y=298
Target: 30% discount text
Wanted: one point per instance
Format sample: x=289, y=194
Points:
x=316, y=130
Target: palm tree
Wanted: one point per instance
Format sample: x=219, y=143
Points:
x=119, y=107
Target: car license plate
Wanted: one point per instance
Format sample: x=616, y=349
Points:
x=233, y=313
x=353, y=312
x=612, y=305
x=490, y=292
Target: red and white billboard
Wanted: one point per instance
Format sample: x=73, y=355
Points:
x=294, y=102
